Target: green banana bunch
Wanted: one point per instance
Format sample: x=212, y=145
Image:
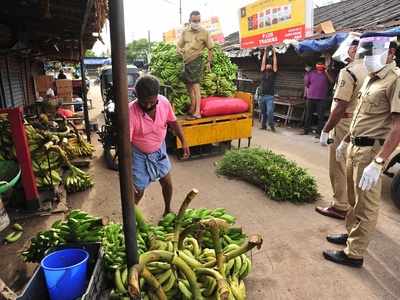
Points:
x=15, y=235
x=48, y=178
x=167, y=65
x=77, y=180
x=46, y=163
x=237, y=288
x=193, y=215
x=182, y=257
x=113, y=246
x=77, y=227
x=83, y=227
x=240, y=266
x=233, y=236
x=113, y=243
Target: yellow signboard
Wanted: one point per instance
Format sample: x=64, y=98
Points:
x=267, y=22
x=169, y=36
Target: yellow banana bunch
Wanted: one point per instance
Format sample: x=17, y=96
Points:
x=78, y=147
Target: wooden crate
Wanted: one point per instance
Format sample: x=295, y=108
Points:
x=219, y=128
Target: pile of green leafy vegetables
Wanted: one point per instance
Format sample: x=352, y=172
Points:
x=283, y=180
x=168, y=66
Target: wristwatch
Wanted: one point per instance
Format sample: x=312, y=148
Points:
x=379, y=160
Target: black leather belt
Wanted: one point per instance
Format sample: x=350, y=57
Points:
x=363, y=141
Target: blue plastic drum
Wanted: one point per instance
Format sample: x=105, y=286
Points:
x=65, y=272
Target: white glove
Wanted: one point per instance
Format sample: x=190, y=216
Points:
x=341, y=151
x=370, y=176
x=323, y=139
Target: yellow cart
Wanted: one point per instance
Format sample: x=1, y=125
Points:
x=211, y=130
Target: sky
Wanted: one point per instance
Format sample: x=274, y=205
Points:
x=158, y=16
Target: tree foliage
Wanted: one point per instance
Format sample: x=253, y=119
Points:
x=138, y=50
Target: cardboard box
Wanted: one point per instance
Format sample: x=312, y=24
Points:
x=43, y=83
x=63, y=89
x=325, y=27
x=64, y=83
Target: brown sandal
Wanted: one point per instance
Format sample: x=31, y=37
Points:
x=332, y=212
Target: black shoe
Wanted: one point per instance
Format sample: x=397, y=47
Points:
x=338, y=239
x=340, y=257
x=273, y=129
x=263, y=127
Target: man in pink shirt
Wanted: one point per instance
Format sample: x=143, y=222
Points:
x=149, y=117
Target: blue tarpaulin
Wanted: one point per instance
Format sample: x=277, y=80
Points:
x=391, y=32
x=395, y=30
x=97, y=61
x=321, y=45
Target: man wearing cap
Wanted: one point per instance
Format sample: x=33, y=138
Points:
x=348, y=84
x=374, y=135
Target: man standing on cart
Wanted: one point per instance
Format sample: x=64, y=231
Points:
x=149, y=117
x=193, y=41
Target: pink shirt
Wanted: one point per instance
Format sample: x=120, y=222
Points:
x=145, y=134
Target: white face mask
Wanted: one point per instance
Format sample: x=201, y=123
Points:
x=195, y=26
x=375, y=63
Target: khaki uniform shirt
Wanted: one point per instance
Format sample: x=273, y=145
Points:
x=379, y=97
x=193, y=42
x=349, y=83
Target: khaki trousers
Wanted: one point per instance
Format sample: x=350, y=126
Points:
x=364, y=205
x=337, y=169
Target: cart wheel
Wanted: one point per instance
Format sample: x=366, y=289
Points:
x=395, y=190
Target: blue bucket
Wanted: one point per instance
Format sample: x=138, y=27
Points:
x=65, y=273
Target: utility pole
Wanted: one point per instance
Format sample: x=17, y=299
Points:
x=180, y=12
x=149, y=47
x=119, y=74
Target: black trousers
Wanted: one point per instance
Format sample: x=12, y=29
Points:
x=312, y=106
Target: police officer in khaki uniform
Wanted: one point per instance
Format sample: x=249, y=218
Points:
x=374, y=135
x=348, y=85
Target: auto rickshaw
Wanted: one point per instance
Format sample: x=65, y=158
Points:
x=108, y=132
x=106, y=80
x=394, y=172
